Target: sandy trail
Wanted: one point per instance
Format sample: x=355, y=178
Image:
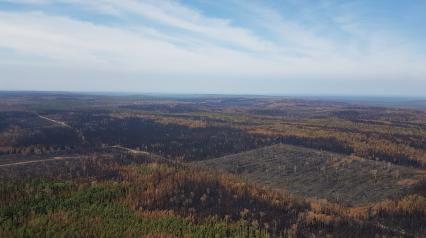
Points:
x=39, y=161
x=61, y=123
x=131, y=150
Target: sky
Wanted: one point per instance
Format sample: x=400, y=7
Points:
x=276, y=47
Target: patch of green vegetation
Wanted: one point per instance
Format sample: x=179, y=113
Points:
x=63, y=209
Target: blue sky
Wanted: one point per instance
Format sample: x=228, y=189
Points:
x=280, y=47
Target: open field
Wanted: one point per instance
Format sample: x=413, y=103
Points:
x=320, y=174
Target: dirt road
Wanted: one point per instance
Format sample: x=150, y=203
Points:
x=61, y=123
x=39, y=161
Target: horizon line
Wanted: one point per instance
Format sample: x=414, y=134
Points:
x=136, y=93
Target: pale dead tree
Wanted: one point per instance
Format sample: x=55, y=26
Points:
x=323, y=171
x=374, y=173
x=389, y=166
x=396, y=174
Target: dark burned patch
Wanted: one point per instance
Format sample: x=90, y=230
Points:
x=100, y=166
x=347, y=114
x=169, y=140
x=19, y=118
x=169, y=108
x=52, y=136
x=29, y=129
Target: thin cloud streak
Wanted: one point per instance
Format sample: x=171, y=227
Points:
x=170, y=39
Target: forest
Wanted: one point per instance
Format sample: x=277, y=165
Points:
x=76, y=165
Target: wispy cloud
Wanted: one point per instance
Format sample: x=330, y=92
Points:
x=174, y=39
